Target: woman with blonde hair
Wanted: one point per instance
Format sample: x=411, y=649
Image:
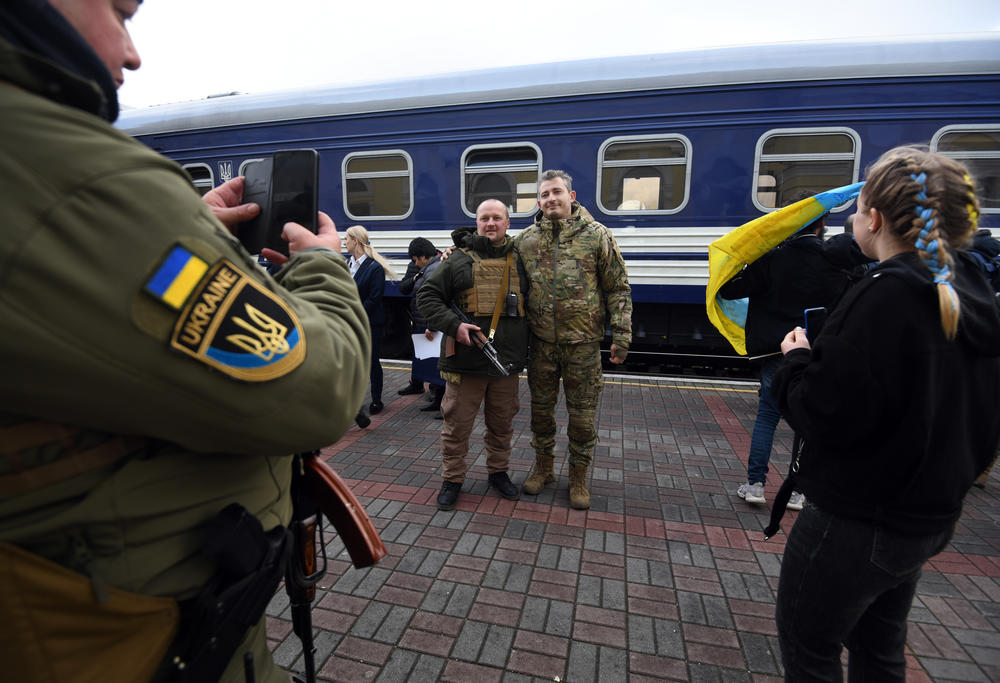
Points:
x=370, y=270
x=896, y=401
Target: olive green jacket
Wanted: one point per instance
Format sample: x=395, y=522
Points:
x=87, y=218
x=442, y=288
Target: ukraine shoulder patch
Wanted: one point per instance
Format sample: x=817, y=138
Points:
x=234, y=324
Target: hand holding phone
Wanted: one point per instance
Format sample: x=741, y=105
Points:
x=286, y=187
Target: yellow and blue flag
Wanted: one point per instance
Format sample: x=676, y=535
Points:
x=729, y=254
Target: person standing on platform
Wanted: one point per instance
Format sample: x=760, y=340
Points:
x=424, y=260
x=489, y=284
x=578, y=284
x=153, y=374
x=370, y=269
x=801, y=273
x=897, y=402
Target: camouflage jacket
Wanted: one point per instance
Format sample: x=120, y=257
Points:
x=578, y=280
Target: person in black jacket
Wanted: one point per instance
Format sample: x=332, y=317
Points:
x=803, y=272
x=897, y=402
x=424, y=260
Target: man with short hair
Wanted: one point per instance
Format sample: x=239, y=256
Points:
x=488, y=283
x=154, y=376
x=578, y=283
x=424, y=260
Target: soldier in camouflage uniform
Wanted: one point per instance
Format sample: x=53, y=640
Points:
x=578, y=280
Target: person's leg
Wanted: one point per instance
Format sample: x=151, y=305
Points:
x=459, y=406
x=764, y=426
x=877, y=643
x=583, y=379
x=500, y=406
x=376, y=371
x=543, y=380
x=845, y=582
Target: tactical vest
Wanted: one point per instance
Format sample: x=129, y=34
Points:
x=487, y=278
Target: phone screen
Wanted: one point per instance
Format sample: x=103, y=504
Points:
x=286, y=187
x=814, y=318
x=293, y=188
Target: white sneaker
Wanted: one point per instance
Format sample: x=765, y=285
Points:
x=796, y=501
x=752, y=493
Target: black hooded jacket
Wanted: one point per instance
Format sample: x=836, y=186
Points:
x=897, y=420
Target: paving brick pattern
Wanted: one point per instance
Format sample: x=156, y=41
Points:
x=666, y=577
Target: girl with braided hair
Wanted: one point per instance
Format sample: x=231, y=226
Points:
x=897, y=402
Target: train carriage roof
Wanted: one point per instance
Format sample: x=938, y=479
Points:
x=782, y=62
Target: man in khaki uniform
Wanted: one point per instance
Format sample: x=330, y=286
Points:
x=153, y=374
x=489, y=284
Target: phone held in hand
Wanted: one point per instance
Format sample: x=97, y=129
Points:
x=814, y=319
x=286, y=187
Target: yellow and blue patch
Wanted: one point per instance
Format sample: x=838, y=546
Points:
x=227, y=319
x=177, y=276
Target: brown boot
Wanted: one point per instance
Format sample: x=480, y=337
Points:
x=579, y=496
x=541, y=475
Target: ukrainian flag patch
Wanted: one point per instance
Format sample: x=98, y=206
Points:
x=236, y=325
x=176, y=277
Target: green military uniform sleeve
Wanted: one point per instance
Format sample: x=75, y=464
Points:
x=618, y=294
x=92, y=346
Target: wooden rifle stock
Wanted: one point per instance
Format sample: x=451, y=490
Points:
x=341, y=507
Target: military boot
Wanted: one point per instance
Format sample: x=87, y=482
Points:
x=579, y=496
x=541, y=475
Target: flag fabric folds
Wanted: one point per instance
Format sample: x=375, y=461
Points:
x=729, y=254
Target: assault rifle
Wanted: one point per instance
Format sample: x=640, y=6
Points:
x=316, y=491
x=482, y=343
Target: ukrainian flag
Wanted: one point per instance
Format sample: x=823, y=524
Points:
x=176, y=277
x=729, y=254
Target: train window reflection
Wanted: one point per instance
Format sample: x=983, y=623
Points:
x=201, y=176
x=796, y=161
x=378, y=185
x=644, y=174
x=508, y=172
x=977, y=147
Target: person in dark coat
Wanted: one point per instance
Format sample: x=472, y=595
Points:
x=424, y=260
x=896, y=401
x=370, y=269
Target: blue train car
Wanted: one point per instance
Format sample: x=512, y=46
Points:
x=670, y=151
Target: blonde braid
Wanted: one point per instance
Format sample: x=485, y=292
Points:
x=933, y=249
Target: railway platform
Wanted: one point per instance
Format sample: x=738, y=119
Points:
x=666, y=577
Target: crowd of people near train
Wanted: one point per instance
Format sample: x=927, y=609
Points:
x=212, y=372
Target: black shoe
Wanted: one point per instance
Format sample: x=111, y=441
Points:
x=438, y=416
x=502, y=483
x=376, y=407
x=362, y=420
x=449, y=495
x=411, y=389
x=430, y=408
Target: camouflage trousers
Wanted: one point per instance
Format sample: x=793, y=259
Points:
x=579, y=366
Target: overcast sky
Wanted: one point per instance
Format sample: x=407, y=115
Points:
x=194, y=48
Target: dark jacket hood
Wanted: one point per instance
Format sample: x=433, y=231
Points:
x=50, y=58
x=979, y=318
x=468, y=238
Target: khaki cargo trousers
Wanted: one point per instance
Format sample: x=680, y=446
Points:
x=460, y=406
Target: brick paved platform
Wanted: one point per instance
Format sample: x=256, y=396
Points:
x=666, y=577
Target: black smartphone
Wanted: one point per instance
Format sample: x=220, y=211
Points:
x=815, y=317
x=286, y=186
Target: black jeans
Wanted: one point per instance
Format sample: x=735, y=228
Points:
x=847, y=583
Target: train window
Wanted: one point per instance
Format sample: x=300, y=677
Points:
x=201, y=176
x=378, y=185
x=644, y=174
x=508, y=172
x=243, y=165
x=977, y=147
x=794, y=161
